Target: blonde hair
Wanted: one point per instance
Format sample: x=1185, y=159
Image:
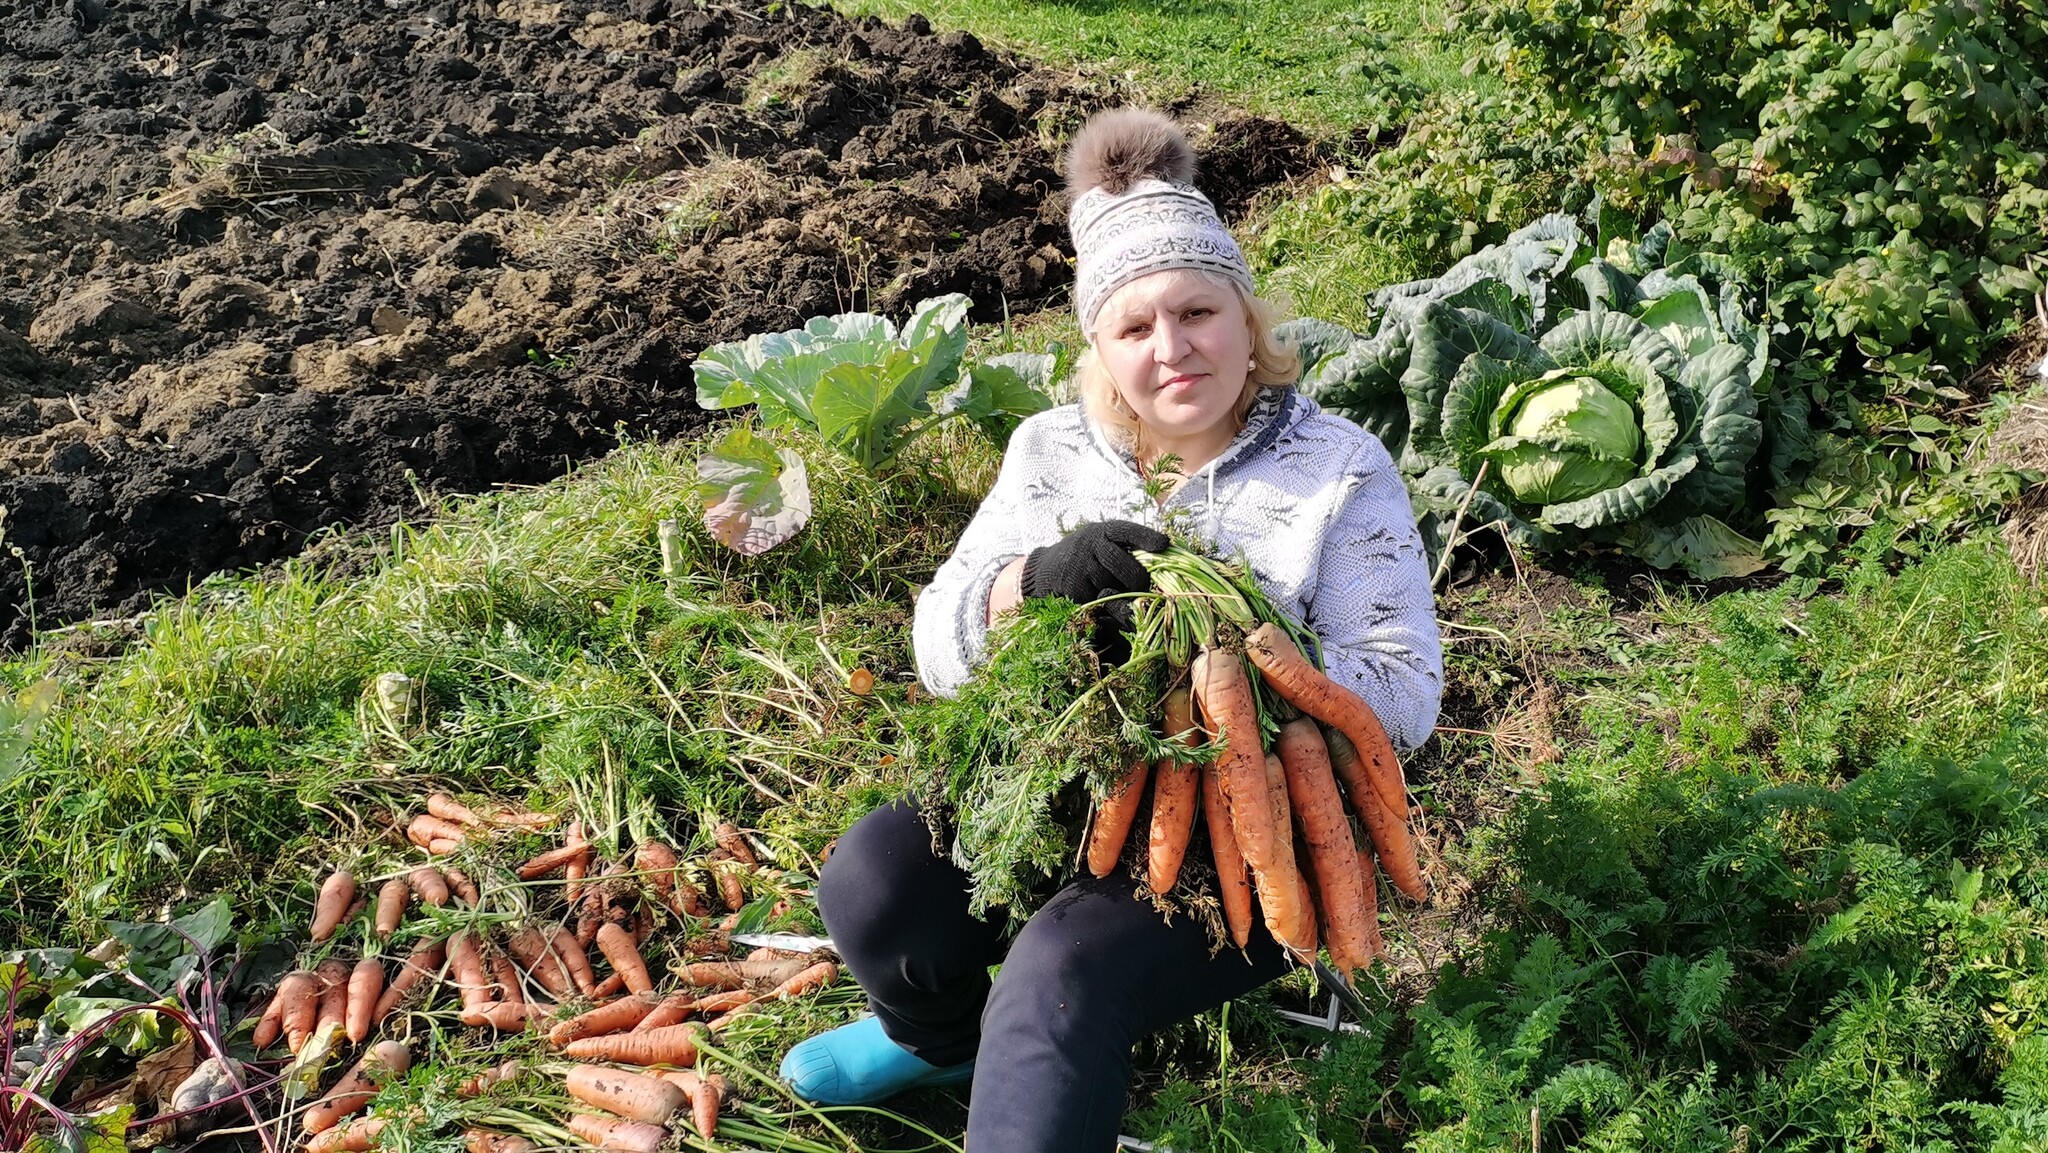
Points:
x=1274, y=365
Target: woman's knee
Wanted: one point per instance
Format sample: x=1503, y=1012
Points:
x=880, y=869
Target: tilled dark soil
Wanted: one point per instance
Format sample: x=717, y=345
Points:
x=267, y=268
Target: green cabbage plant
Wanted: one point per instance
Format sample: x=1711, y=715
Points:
x=1571, y=400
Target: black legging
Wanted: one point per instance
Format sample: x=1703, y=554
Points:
x=1094, y=970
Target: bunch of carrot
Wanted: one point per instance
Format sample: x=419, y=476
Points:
x=1275, y=817
x=513, y=978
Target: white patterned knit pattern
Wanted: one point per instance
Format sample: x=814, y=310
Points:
x=1310, y=500
x=1149, y=227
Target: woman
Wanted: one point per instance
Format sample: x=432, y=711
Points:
x=1184, y=387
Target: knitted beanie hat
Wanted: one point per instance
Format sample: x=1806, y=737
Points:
x=1136, y=210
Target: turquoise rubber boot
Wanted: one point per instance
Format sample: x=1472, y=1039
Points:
x=858, y=1064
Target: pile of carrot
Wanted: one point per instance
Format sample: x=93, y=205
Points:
x=526, y=975
x=1276, y=818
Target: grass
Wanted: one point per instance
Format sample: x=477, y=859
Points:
x=1321, y=64
x=548, y=641
x=1722, y=782
x=1748, y=869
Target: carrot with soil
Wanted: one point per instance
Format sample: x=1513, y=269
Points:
x=635, y=1096
x=1113, y=818
x=1280, y=662
x=1175, y=788
x=1233, y=885
x=1230, y=712
x=1332, y=854
x=612, y=1133
x=669, y=1045
x=423, y=964
x=385, y=1060
x=615, y=1017
x=617, y=946
x=1387, y=829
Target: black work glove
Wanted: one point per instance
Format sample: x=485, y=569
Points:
x=1092, y=562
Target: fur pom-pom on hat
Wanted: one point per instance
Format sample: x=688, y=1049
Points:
x=1136, y=210
x=1116, y=149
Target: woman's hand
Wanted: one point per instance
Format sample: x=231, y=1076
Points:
x=1092, y=562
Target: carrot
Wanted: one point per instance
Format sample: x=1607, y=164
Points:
x=632, y=1095
x=463, y=887
x=497, y=1074
x=485, y=1141
x=727, y=1002
x=424, y=962
x=505, y=1016
x=331, y=906
x=1113, y=817
x=449, y=809
x=1369, y=883
x=532, y=950
x=1308, y=689
x=714, y=975
x=672, y=1010
x=1388, y=829
x=572, y=878
x=731, y=889
x=668, y=1045
x=428, y=828
x=532, y=822
x=271, y=1024
x=658, y=863
x=810, y=980
x=466, y=966
x=711, y=1093
x=1225, y=697
x=1299, y=934
x=358, y=1136
x=689, y=900
x=733, y=841
x=1175, y=786
x=736, y=974
x=442, y=847
x=625, y=1136
x=507, y=976
x=540, y=866
x=575, y=961
x=615, y=1017
x=617, y=946
x=332, y=1011
x=365, y=986
x=1233, y=889
x=430, y=884
x=709, y=943
x=391, y=902
x=385, y=1060
x=1319, y=811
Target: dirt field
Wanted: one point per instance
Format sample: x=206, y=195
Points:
x=274, y=267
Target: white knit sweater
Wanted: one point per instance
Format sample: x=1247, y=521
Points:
x=1308, y=498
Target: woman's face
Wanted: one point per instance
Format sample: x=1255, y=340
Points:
x=1178, y=348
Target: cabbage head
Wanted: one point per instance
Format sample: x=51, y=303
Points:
x=1567, y=437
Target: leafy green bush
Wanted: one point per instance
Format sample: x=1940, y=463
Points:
x=1883, y=166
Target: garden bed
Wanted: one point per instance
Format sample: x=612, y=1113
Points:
x=275, y=268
